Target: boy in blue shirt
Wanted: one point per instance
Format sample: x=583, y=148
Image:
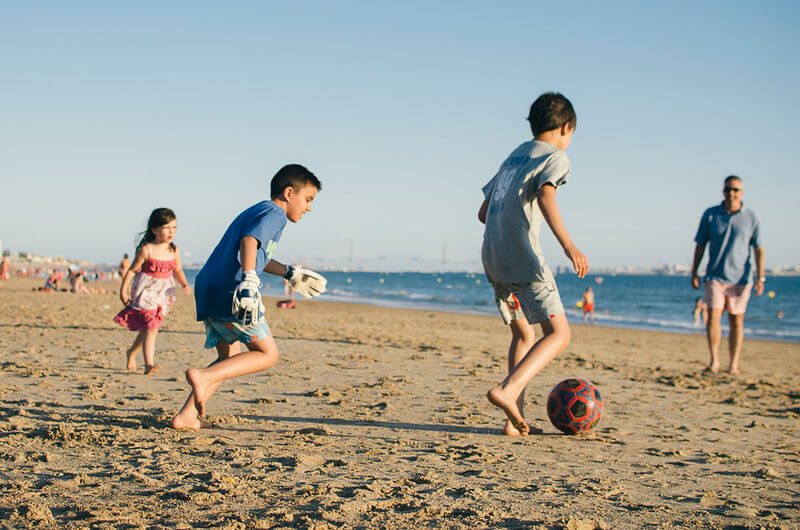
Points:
x=227, y=289
x=520, y=196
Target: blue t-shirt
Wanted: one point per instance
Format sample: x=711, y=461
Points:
x=729, y=237
x=222, y=272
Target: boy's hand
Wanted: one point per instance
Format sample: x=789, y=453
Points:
x=247, y=306
x=579, y=261
x=307, y=282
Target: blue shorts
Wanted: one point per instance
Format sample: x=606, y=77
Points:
x=230, y=332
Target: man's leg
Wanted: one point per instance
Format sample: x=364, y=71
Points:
x=714, y=335
x=735, y=340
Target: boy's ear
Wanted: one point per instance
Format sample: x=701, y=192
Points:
x=565, y=129
x=288, y=193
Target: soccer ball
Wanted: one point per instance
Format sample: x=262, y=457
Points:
x=574, y=406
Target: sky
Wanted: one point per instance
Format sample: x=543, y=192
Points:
x=404, y=111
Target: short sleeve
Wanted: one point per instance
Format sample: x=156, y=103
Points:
x=264, y=227
x=755, y=240
x=487, y=189
x=701, y=237
x=555, y=171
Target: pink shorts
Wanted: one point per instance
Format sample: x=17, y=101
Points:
x=731, y=298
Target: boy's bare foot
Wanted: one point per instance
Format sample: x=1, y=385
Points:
x=510, y=430
x=733, y=371
x=188, y=421
x=509, y=406
x=194, y=378
x=151, y=369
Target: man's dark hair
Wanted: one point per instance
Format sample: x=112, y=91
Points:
x=550, y=111
x=730, y=178
x=293, y=175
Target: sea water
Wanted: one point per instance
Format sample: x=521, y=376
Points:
x=656, y=302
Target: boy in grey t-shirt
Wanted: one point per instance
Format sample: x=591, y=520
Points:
x=517, y=199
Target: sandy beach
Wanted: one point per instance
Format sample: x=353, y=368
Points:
x=376, y=418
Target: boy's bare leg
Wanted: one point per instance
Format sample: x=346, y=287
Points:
x=149, y=350
x=137, y=343
x=714, y=335
x=523, y=337
x=735, y=340
x=556, y=337
x=263, y=354
x=187, y=418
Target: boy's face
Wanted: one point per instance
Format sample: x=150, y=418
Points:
x=299, y=202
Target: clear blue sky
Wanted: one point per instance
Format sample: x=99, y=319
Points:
x=403, y=110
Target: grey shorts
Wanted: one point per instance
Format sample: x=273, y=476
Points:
x=536, y=302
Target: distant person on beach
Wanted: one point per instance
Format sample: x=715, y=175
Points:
x=4, y=270
x=124, y=265
x=148, y=287
x=700, y=312
x=517, y=199
x=730, y=230
x=587, y=302
x=227, y=289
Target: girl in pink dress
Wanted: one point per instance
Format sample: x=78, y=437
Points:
x=151, y=279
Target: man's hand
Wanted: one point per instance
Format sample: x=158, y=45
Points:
x=579, y=261
x=695, y=281
x=759, y=287
x=307, y=282
x=247, y=306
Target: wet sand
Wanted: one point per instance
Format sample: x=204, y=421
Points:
x=376, y=418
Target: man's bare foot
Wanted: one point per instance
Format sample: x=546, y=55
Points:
x=713, y=368
x=188, y=422
x=733, y=371
x=195, y=379
x=509, y=406
x=151, y=369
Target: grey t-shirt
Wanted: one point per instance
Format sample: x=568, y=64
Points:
x=511, y=251
x=729, y=237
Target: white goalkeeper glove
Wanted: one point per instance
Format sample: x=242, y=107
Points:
x=306, y=282
x=247, y=306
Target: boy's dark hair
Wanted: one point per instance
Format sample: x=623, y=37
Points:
x=158, y=217
x=293, y=175
x=550, y=111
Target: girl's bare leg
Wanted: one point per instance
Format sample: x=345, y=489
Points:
x=149, y=350
x=523, y=337
x=137, y=343
x=505, y=395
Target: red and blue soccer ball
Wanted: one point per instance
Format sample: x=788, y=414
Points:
x=574, y=406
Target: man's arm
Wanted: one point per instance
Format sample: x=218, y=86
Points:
x=760, y=271
x=482, y=211
x=551, y=213
x=699, y=250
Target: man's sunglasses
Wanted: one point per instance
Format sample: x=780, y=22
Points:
x=732, y=189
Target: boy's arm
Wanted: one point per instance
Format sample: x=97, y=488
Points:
x=276, y=267
x=482, y=211
x=699, y=250
x=551, y=213
x=248, y=250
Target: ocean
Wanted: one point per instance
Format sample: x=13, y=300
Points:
x=655, y=302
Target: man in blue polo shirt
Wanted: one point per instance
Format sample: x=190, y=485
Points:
x=730, y=230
